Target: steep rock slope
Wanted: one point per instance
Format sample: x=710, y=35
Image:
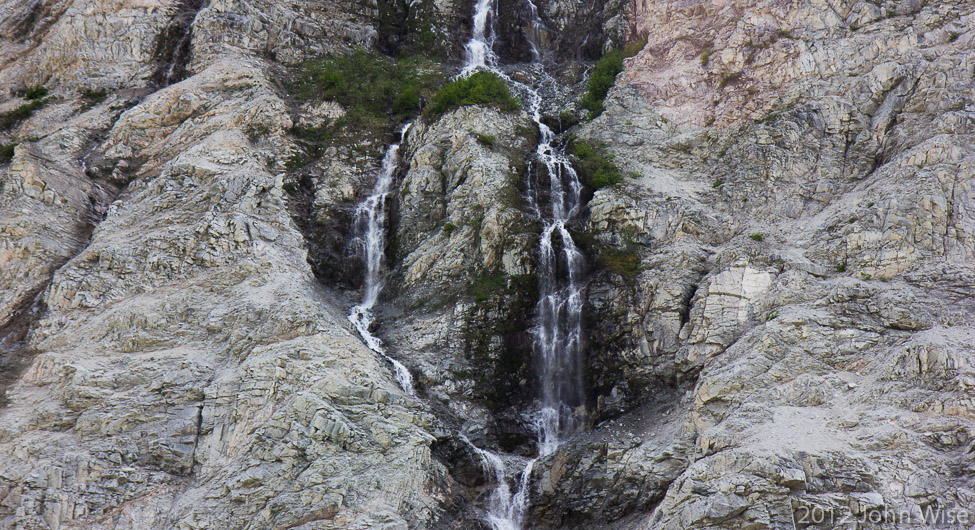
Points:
x=804, y=272
x=183, y=368
x=779, y=292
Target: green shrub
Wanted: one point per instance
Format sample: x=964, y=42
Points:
x=480, y=88
x=635, y=47
x=706, y=56
x=256, y=131
x=315, y=134
x=717, y=183
x=601, y=79
x=594, y=166
x=757, y=237
x=372, y=87
x=567, y=119
x=728, y=78
x=12, y=117
x=408, y=100
x=296, y=161
x=625, y=262
x=35, y=92
x=449, y=228
x=488, y=285
x=7, y=152
x=487, y=140
x=93, y=96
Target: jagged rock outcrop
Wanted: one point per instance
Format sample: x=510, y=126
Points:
x=189, y=371
x=464, y=246
x=796, y=259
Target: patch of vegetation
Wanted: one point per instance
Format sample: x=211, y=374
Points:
x=256, y=131
x=706, y=56
x=94, y=97
x=757, y=237
x=772, y=315
x=841, y=267
x=35, y=92
x=480, y=88
x=776, y=113
x=952, y=37
x=449, y=228
x=568, y=119
x=601, y=79
x=7, y=152
x=296, y=161
x=408, y=100
x=784, y=33
x=529, y=133
x=12, y=117
x=485, y=286
x=595, y=168
x=371, y=87
x=717, y=183
x=635, y=47
x=727, y=78
x=321, y=133
x=487, y=140
x=625, y=261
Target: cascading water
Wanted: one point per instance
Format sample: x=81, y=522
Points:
x=505, y=510
x=558, y=345
x=479, y=51
x=558, y=331
x=369, y=241
x=176, y=41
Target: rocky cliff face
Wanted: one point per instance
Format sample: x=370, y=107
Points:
x=779, y=292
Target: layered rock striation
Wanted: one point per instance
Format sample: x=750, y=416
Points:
x=779, y=287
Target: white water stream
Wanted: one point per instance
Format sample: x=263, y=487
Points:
x=558, y=331
x=369, y=241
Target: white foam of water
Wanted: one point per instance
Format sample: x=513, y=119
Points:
x=369, y=228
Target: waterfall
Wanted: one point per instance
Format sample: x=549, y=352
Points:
x=479, y=51
x=177, y=39
x=505, y=510
x=558, y=330
x=369, y=241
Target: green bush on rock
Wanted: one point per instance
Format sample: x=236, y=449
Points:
x=480, y=88
x=35, y=92
x=12, y=117
x=371, y=87
x=593, y=164
x=7, y=152
x=601, y=79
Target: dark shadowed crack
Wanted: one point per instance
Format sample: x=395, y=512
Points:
x=15, y=354
x=174, y=44
x=199, y=433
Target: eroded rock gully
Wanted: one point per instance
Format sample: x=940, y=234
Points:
x=779, y=291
